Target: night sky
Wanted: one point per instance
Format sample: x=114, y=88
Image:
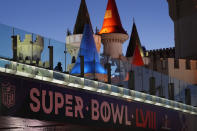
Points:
x=51, y=18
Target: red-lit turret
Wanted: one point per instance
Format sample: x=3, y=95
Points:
x=137, y=57
x=112, y=23
x=112, y=33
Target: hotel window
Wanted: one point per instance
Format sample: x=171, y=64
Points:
x=188, y=65
x=176, y=63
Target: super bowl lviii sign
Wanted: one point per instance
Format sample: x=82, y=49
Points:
x=73, y=106
x=33, y=99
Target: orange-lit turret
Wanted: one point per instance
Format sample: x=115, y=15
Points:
x=112, y=23
x=112, y=33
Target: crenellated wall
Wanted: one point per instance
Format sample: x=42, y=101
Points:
x=183, y=69
x=162, y=53
x=73, y=43
x=29, y=49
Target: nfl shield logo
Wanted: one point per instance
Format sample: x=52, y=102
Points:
x=8, y=94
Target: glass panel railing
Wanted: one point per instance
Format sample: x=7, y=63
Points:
x=91, y=83
x=6, y=41
x=33, y=60
x=44, y=73
x=115, y=89
x=139, y=96
x=181, y=106
x=149, y=99
x=75, y=80
x=132, y=94
x=59, y=76
x=30, y=48
x=141, y=81
x=5, y=63
x=103, y=86
x=195, y=109
x=126, y=92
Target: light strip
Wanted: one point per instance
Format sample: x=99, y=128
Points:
x=115, y=94
x=89, y=88
x=2, y=69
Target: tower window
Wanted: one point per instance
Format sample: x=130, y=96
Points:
x=176, y=63
x=188, y=65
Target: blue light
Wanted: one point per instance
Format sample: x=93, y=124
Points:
x=88, y=50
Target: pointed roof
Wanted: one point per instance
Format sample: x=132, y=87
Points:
x=137, y=58
x=83, y=18
x=112, y=22
x=134, y=40
x=88, y=50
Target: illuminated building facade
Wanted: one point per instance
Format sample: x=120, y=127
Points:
x=38, y=98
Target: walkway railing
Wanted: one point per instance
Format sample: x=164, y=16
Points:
x=33, y=72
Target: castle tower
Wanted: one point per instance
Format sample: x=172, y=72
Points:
x=83, y=18
x=73, y=40
x=112, y=33
x=134, y=41
x=184, y=15
x=29, y=49
x=91, y=59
